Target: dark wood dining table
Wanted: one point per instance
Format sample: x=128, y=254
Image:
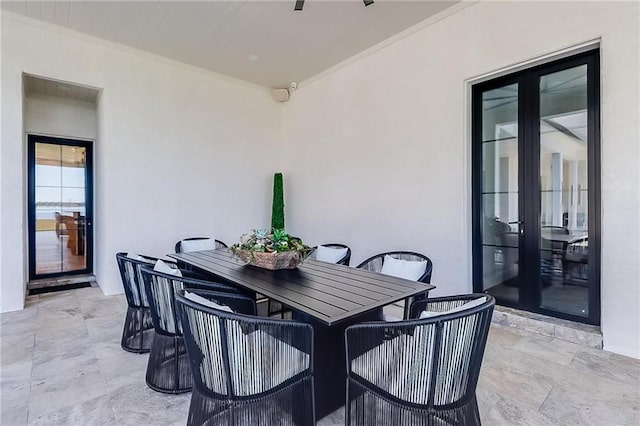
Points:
x=330, y=297
x=564, y=241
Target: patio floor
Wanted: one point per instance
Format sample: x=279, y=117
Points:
x=61, y=364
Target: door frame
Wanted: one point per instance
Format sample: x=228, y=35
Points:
x=32, y=139
x=529, y=181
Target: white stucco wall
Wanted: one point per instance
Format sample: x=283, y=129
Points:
x=179, y=151
x=56, y=116
x=379, y=151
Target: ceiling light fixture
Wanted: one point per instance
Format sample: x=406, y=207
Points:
x=300, y=4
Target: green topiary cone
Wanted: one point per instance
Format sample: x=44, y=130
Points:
x=277, y=211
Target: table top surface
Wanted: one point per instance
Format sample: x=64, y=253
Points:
x=328, y=292
x=564, y=238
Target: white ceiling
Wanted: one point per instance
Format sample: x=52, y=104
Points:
x=55, y=88
x=264, y=42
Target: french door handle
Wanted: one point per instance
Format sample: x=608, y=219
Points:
x=520, y=224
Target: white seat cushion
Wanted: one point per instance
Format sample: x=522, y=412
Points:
x=197, y=245
x=471, y=304
x=407, y=269
x=163, y=267
x=391, y=318
x=206, y=302
x=330, y=254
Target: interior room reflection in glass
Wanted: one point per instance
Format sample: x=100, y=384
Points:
x=563, y=182
x=60, y=201
x=499, y=220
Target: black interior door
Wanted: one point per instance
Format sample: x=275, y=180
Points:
x=536, y=195
x=60, y=200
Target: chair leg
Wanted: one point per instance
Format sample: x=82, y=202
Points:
x=133, y=333
x=177, y=361
x=347, y=405
x=269, y=312
x=409, y=300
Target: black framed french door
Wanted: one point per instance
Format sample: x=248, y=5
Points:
x=536, y=188
x=60, y=206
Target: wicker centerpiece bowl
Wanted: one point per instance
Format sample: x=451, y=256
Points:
x=270, y=250
x=283, y=260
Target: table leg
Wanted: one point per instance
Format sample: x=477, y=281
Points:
x=330, y=372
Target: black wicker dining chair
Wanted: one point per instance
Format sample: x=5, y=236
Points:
x=215, y=244
x=168, y=368
x=419, y=371
x=202, y=243
x=138, y=332
x=247, y=370
x=376, y=263
x=575, y=263
x=344, y=260
x=552, y=253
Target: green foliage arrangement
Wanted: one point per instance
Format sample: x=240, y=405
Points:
x=276, y=241
x=277, y=209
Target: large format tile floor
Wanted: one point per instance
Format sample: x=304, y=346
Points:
x=61, y=364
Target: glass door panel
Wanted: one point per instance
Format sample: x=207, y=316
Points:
x=60, y=228
x=564, y=191
x=499, y=192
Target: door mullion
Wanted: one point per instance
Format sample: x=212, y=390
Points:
x=593, y=153
x=530, y=161
x=523, y=191
x=476, y=201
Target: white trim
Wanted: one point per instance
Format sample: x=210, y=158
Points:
x=537, y=60
x=53, y=135
x=467, y=192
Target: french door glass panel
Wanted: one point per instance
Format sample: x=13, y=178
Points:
x=564, y=191
x=60, y=209
x=499, y=200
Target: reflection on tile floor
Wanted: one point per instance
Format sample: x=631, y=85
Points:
x=53, y=254
x=61, y=364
